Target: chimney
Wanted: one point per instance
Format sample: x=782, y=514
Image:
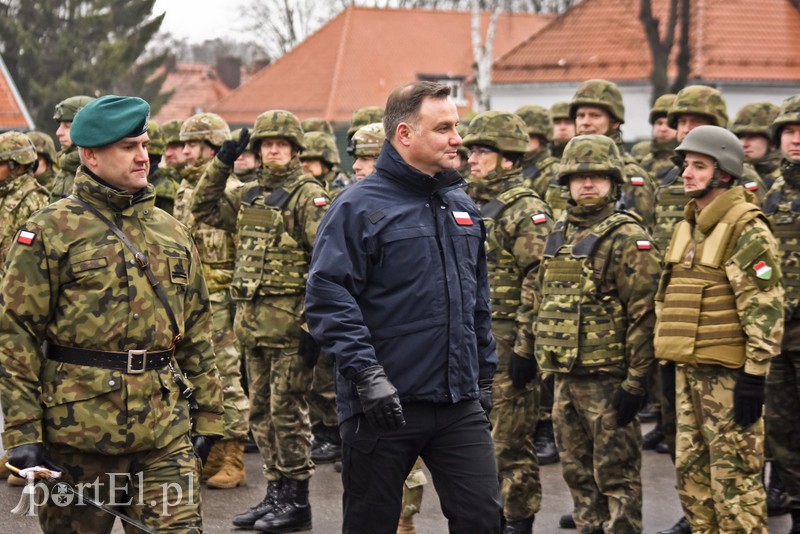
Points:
x=171, y=63
x=229, y=69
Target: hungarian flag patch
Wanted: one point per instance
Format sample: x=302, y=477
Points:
x=643, y=244
x=25, y=237
x=320, y=201
x=763, y=271
x=462, y=218
x=637, y=180
x=539, y=218
x=751, y=186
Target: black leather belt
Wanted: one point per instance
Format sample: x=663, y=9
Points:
x=134, y=362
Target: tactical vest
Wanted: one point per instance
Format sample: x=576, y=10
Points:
x=783, y=213
x=577, y=326
x=505, y=276
x=699, y=322
x=269, y=261
x=670, y=201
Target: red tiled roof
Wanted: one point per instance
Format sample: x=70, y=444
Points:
x=13, y=113
x=358, y=57
x=731, y=40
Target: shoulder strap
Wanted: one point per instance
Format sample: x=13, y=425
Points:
x=586, y=246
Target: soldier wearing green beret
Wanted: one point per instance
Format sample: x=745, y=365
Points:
x=45, y=172
x=68, y=159
x=107, y=364
x=165, y=179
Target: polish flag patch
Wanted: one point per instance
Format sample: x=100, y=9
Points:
x=643, y=244
x=637, y=180
x=539, y=218
x=320, y=201
x=751, y=186
x=25, y=237
x=763, y=271
x=462, y=218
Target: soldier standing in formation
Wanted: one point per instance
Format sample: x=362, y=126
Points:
x=661, y=148
x=539, y=167
x=68, y=159
x=165, y=179
x=593, y=330
x=173, y=150
x=246, y=166
x=563, y=128
x=365, y=147
x=90, y=394
x=45, y=171
x=321, y=160
x=752, y=127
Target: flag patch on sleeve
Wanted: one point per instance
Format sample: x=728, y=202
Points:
x=539, y=218
x=763, y=271
x=462, y=218
x=643, y=244
x=751, y=186
x=637, y=180
x=320, y=201
x=25, y=237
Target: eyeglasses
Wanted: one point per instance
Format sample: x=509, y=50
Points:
x=480, y=151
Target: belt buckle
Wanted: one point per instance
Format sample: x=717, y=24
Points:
x=137, y=352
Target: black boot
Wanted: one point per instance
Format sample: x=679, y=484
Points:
x=248, y=519
x=795, y=521
x=681, y=527
x=776, y=499
x=566, y=521
x=545, y=443
x=292, y=512
x=522, y=526
x=327, y=446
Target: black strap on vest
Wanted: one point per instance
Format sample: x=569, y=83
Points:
x=278, y=198
x=251, y=194
x=531, y=172
x=492, y=209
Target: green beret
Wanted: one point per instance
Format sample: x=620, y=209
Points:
x=108, y=119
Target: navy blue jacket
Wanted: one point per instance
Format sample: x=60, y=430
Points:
x=398, y=278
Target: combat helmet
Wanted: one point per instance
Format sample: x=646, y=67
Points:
x=755, y=119
x=322, y=146
x=67, y=109
x=17, y=147
x=171, y=130
x=44, y=145
x=789, y=113
x=317, y=125
x=537, y=120
x=600, y=93
x=717, y=143
x=500, y=130
x=462, y=130
x=208, y=127
x=277, y=123
x=591, y=153
x=699, y=100
x=236, y=135
x=559, y=110
x=363, y=116
x=156, y=146
x=367, y=141
x=661, y=107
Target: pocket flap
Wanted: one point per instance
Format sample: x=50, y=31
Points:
x=79, y=382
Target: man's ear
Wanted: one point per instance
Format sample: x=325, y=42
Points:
x=88, y=157
x=725, y=177
x=404, y=133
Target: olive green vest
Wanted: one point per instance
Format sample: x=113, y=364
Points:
x=699, y=322
x=577, y=326
x=783, y=212
x=269, y=260
x=505, y=276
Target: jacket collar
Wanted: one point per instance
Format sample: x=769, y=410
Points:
x=393, y=167
x=101, y=195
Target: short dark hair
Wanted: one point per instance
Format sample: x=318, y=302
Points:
x=404, y=103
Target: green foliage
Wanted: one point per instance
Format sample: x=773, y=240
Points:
x=55, y=49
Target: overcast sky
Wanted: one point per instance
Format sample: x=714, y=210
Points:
x=198, y=20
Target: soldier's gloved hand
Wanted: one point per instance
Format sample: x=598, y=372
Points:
x=485, y=391
x=379, y=399
x=309, y=349
x=627, y=405
x=230, y=149
x=31, y=455
x=202, y=446
x=668, y=382
x=748, y=399
x=522, y=370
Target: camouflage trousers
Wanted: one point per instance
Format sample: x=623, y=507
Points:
x=718, y=462
x=228, y=359
x=279, y=380
x=160, y=488
x=412, y=490
x=600, y=461
x=783, y=421
x=322, y=397
x=513, y=420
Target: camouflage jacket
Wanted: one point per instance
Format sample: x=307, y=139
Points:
x=83, y=288
x=20, y=198
x=539, y=169
x=768, y=167
x=68, y=163
x=46, y=179
x=638, y=192
x=659, y=159
x=165, y=180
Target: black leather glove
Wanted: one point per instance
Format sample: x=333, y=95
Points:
x=668, y=382
x=485, y=390
x=379, y=399
x=627, y=405
x=748, y=399
x=202, y=446
x=230, y=149
x=31, y=455
x=309, y=349
x=522, y=370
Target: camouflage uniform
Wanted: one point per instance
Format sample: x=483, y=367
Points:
x=322, y=147
x=593, y=329
x=171, y=131
x=720, y=320
x=275, y=221
x=217, y=254
x=46, y=148
x=164, y=179
x=248, y=175
x=659, y=153
x=640, y=150
x=95, y=420
x=539, y=167
x=68, y=159
x=783, y=390
x=756, y=119
x=559, y=110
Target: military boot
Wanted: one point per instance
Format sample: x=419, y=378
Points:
x=522, y=526
x=327, y=446
x=292, y=512
x=214, y=461
x=681, y=527
x=232, y=474
x=566, y=521
x=248, y=519
x=545, y=443
x=776, y=498
x=651, y=439
x=406, y=525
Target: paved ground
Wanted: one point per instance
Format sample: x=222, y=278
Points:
x=661, y=507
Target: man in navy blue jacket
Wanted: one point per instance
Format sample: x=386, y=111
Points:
x=398, y=294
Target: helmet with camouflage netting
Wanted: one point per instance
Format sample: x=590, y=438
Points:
x=755, y=119
x=599, y=93
x=717, y=143
x=67, y=109
x=363, y=116
x=317, y=125
x=322, y=146
x=699, y=100
x=277, y=123
x=789, y=113
x=156, y=146
x=538, y=121
x=208, y=127
x=44, y=145
x=661, y=107
x=591, y=154
x=367, y=141
x=17, y=147
x=500, y=130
